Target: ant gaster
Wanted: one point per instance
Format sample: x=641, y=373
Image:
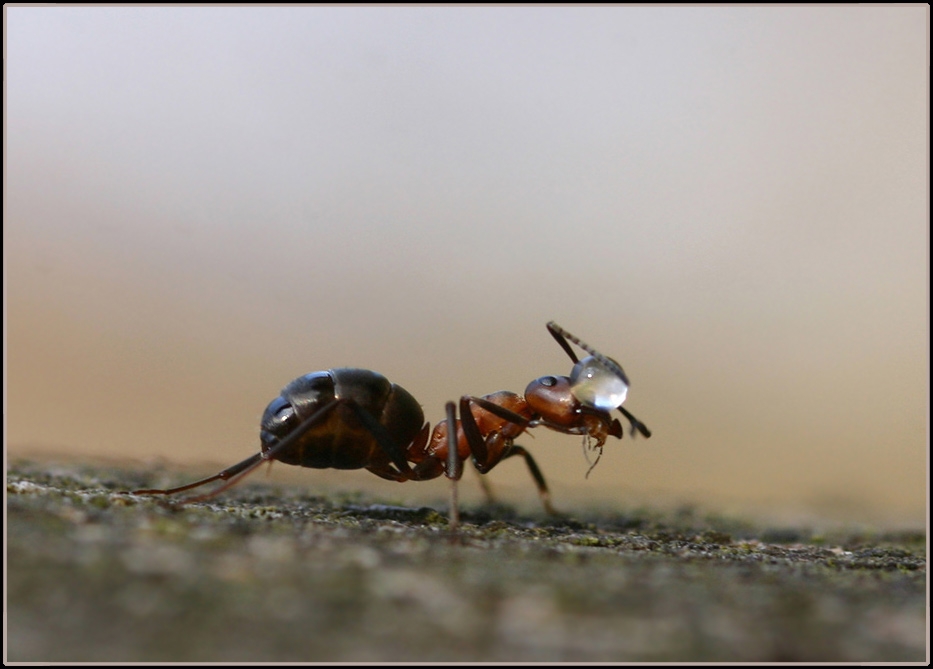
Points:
x=350, y=418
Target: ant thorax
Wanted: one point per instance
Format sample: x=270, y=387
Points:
x=596, y=386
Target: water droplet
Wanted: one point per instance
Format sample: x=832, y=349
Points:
x=596, y=386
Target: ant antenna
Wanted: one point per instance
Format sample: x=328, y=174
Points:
x=561, y=335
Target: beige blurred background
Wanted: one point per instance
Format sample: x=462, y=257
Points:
x=204, y=203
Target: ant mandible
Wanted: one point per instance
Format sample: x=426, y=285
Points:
x=350, y=418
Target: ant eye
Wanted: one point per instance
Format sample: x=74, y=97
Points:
x=596, y=386
x=548, y=381
x=284, y=413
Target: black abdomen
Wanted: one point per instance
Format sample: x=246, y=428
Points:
x=340, y=439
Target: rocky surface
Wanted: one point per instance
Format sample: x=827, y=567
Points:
x=270, y=573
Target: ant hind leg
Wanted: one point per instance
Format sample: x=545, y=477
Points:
x=230, y=474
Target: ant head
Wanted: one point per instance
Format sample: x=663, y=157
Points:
x=552, y=397
x=597, y=381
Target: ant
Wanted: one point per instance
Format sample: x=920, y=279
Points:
x=349, y=418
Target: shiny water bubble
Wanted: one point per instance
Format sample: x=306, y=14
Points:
x=596, y=386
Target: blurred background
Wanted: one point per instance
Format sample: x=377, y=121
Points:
x=203, y=203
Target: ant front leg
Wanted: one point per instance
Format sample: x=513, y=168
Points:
x=536, y=474
x=498, y=444
x=488, y=449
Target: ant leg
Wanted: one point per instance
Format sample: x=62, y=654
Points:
x=283, y=445
x=471, y=430
x=500, y=411
x=395, y=452
x=454, y=466
x=247, y=465
x=229, y=484
x=636, y=424
x=487, y=489
x=537, y=476
x=375, y=428
x=387, y=472
x=233, y=475
x=425, y=468
x=481, y=455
